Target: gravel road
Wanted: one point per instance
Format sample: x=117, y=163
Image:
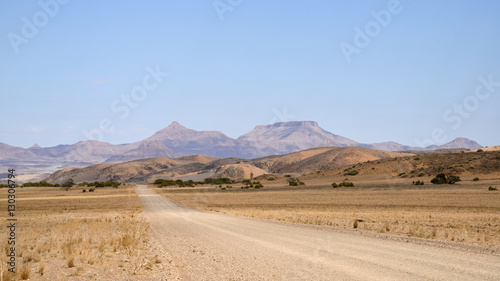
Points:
x=211, y=246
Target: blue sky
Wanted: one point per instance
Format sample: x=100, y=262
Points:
x=414, y=72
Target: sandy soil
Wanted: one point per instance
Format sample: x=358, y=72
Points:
x=211, y=246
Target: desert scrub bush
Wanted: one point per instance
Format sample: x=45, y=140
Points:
x=421, y=174
x=492, y=188
x=91, y=189
x=271, y=178
x=84, y=190
x=71, y=262
x=445, y=179
x=355, y=224
x=418, y=183
x=346, y=184
x=335, y=185
x=294, y=182
x=352, y=173
x=475, y=179
x=416, y=158
x=24, y=273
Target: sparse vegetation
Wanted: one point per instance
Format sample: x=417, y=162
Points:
x=492, y=188
x=445, y=179
x=352, y=173
x=418, y=183
x=41, y=183
x=475, y=179
x=181, y=183
x=295, y=182
x=468, y=210
x=346, y=184
x=78, y=236
x=24, y=273
x=68, y=184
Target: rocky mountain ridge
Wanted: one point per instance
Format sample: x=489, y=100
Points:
x=176, y=141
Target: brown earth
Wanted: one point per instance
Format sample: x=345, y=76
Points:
x=71, y=235
x=213, y=246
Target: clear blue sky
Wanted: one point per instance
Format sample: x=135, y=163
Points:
x=64, y=68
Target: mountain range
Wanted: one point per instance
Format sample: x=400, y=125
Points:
x=198, y=167
x=176, y=141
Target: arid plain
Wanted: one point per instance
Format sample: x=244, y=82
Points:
x=130, y=233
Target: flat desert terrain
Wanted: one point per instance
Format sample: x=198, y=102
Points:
x=466, y=213
x=392, y=231
x=71, y=235
x=213, y=246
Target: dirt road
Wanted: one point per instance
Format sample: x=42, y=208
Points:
x=212, y=246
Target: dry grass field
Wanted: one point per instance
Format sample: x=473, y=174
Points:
x=465, y=213
x=65, y=235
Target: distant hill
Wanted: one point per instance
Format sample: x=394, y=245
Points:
x=176, y=141
x=320, y=159
x=147, y=170
x=457, y=143
x=286, y=137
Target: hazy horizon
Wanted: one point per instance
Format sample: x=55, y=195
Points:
x=413, y=72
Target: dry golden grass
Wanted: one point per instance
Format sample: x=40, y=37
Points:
x=70, y=233
x=466, y=213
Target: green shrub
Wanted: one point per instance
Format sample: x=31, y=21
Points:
x=416, y=158
x=91, y=189
x=475, y=179
x=293, y=183
x=480, y=150
x=346, y=184
x=352, y=173
x=418, y=182
x=421, y=174
x=445, y=179
x=84, y=190
x=271, y=178
x=335, y=185
x=492, y=188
